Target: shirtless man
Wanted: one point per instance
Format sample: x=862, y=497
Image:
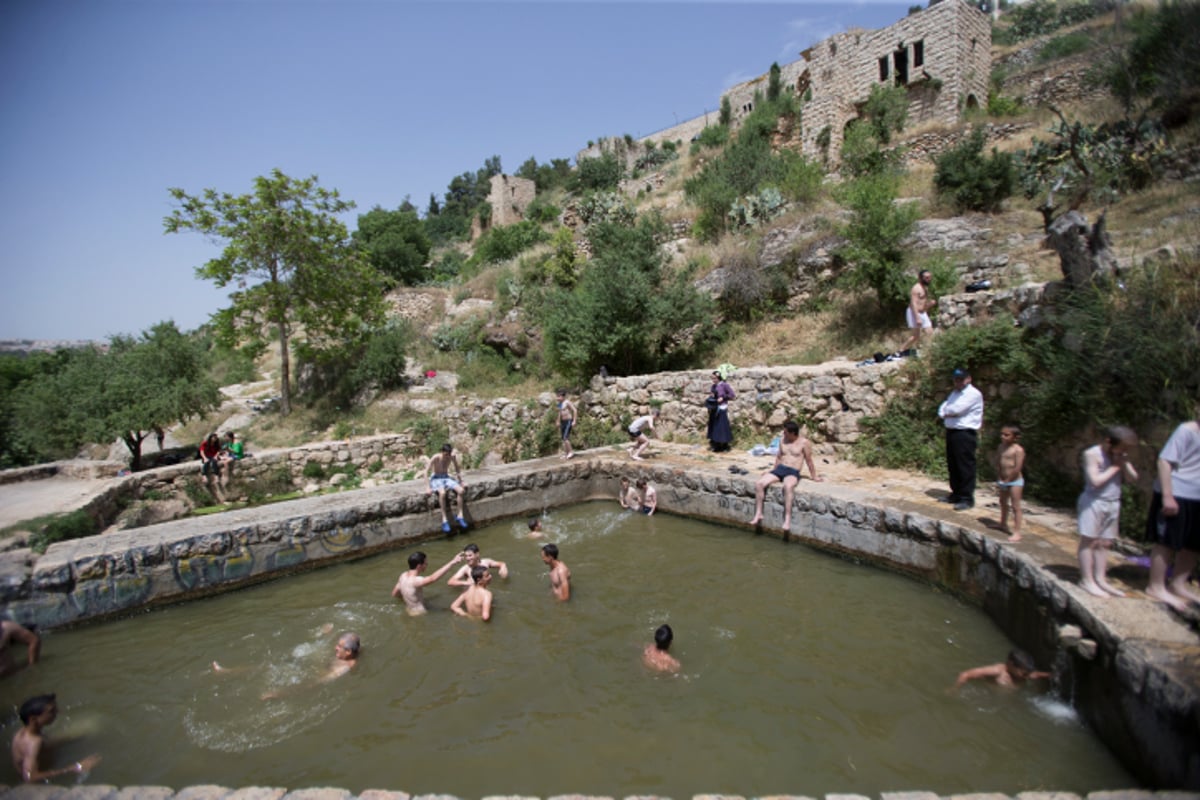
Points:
x=345, y=657
x=567, y=414
x=917, y=314
x=794, y=451
x=655, y=656
x=1018, y=668
x=36, y=713
x=411, y=584
x=471, y=557
x=560, y=576
x=476, y=601
x=437, y=472
x=14, y=632
x=649, y=497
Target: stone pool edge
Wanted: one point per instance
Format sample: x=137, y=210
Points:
x=1138, y=691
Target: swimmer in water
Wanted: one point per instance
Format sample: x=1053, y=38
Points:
x=345, y=657
x=36, y=714
x=560, y=575
x=535, y=528
x=476, y=601
x=15, y=632
x=1018, y=668
x=472, y=558
x=411, y=584
x=656, y=657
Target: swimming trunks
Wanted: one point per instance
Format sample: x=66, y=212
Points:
x=1011, y=484
x=443, y=483
x=783, y=472
x=646, y=509
x=564, y=427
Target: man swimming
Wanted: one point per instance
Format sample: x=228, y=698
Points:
x=655, y=656
x=794, y=452
x=411, y=584
x=472, y=558
x=36, y=714
x=476, y=601
x=560, y=575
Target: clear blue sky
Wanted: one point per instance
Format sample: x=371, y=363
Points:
x=107, y=103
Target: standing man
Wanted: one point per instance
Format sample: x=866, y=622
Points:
x=567, y=414
x=1174, y=522
x=917, y=314
x=794, y=452
x=411, y=584
x=962, y=414
x=560, y=576
x=437, y=471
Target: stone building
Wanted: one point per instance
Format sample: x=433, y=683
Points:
x=941, y=55
x=510, y=196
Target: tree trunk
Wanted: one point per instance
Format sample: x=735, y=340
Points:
x=285, y=380
x=1085, y=252
x=133, y=440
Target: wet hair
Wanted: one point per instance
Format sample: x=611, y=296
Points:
x=350, y=641
x=534, y=522
x=471, y=548
x=1012, y=426
x=35, y=707
x=447, y=447
x=641, y=483
x=550, y=550
x=1120, y=434
x=416, y=559
x=663, y=637
x=477, y=572
x=922, y=273
x=792, y=427
x=1021, y=660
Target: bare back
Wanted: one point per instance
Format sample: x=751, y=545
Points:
x=411, y=587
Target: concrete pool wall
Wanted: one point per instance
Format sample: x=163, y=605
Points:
x=1133, y=676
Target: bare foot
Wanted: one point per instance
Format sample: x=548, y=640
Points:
x=1014, y=537
x=571, y=455
x=1168, y=598
x=1114, y=591
x=1180, y=589
x=1092, y=588
x=217, y=667
x=636, y=458
x=757, y=519
x=787, y=524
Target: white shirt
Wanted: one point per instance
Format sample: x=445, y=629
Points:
x=963, y=409
x=1182, y=452
x=641, y=422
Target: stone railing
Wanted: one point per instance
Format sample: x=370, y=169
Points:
x=211, y=792
x=1132, y=677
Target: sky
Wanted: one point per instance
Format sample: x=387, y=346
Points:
x=105, y=104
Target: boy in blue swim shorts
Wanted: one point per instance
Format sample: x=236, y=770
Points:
x=437, y=471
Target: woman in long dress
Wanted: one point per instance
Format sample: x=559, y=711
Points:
x=720, y=434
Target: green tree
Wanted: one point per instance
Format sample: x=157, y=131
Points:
x=725, y=117
x=972, y=181
x=395, y=242
x=291, y=260
x=600, y=173
x=774, y=83
x=137, y=385
x=875, y=237
x=627, y=310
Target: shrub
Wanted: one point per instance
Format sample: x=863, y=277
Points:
x=875, y=238
x=1066, y=45
x=749, y=289
x=756, y=209
x=972, y=181
x=714, y=136
x=598, y=207
x=506, y=242
x=72, y=525
x=428, y=434
x=802, y=178
x=383, y=361
x=999, y=105
x=603, y=172
x=313, y=470
x=542, y=210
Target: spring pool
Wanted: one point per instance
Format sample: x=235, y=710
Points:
x=802, y=674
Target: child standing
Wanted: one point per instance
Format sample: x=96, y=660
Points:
x=1105, y=467
x=1010, y=460
x=567, y=414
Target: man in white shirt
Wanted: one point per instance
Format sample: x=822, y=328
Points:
x=1174, y=522
x=962, y=414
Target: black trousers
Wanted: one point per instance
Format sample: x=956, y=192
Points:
x=960, y=460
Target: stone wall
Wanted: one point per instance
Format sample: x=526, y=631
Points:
x=1134, y=678
x=212, y=792
x=510, y=196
